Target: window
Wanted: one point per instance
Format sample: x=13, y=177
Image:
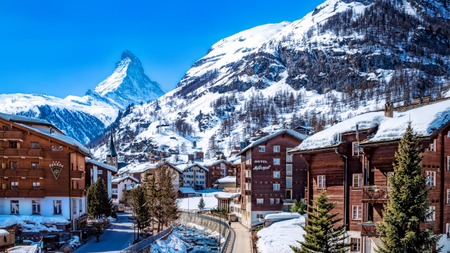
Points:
x=288, y=157
x=13, y=165
x=288, y=169
x=262, y=148
x=5, y=128
x=356, y=149
x=57, y=207
x=99, y=172
x=14, y=185
x=56, y=148
x=356, y=244
x=35, y=145
x=276, y=174
x=35, y=166
x=277, y=201
x=432, y=147
x=321, y=182
x=60, y=148
x=248, y=186
x=36, y=185
x=432, y=212
x=14, y=207
x=259, y=215
x=276, y=148
x=389, y=175
x=289, y=182
x=259, y=201
x=448, y=196
x=36, y=206
x=13, y=144
x=272, y=201
x=431, y=178
x=357, y=213
x=447, y=230
x=276, y=187
x=288, y=194
x=357, y=180
x=276, y=161
x=448, y=162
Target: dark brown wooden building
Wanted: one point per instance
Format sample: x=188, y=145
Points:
x=218, y=170
x=270, y=179
x=96, y=169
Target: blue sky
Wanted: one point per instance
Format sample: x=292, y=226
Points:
x=64, y=48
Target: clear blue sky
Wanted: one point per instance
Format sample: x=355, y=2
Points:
x=64, y=47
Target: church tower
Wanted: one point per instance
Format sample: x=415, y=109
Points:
x=111, y=158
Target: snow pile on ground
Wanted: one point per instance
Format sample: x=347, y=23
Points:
x=282, y=216
x=228, y=179
x=32, y=223
x=75, y=242
x=192, y=203
x=280, y=235
x=212, y=234
x=170, y=245
x=24, y=249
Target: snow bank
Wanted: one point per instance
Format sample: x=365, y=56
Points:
x=171, y=245
x=23, y=249
x=192, y=203
x=280, y=235
x=74, y=242
x=282, y=216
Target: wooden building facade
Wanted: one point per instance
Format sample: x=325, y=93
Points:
x=218, y=170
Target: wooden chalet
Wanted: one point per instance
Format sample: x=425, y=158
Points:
x=352, y=160
x=42, y=170
x=270, y=179
x=218, y=170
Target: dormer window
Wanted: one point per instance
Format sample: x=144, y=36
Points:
x=432, y=147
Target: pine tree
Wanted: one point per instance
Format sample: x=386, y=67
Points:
x=140, y=208
x=99, y=204
x=409, y=205
x=299, y=207
x=321, y=233
x=201, y=204
x=169, y=197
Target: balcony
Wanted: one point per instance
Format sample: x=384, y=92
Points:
x=375, y=194
x=248, y=179
x=369, y=229
x=21, y=153
x=76, y=174
x=23, y=193
x=77, y=193
x=248, y=192
x=11, y=136
x=27, y=173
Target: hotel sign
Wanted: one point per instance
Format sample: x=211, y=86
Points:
x=259, y=167
x=56, y=168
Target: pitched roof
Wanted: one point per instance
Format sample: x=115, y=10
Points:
x=120, y=179
x=217, y=162
x=186, y=190
x=266, y=138
x=103, y=165
x=24, y=119
x=184, y=167
x=227, y=179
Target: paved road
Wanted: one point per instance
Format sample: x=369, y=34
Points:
x=241, y=237
x=113, y=239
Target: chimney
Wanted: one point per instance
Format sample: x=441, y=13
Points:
x=389, y=110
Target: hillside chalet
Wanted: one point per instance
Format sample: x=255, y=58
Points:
x=42, y=170
x=270, y=179
x=352, y=160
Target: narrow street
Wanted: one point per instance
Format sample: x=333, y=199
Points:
x=113, y=239
x=241, y=237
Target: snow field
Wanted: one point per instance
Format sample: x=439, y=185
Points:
x=280, y=235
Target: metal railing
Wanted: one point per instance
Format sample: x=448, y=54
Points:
x=147, y=242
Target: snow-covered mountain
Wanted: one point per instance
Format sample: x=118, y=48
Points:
x=344, y=58
x=84, y=118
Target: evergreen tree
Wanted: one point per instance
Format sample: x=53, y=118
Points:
x=409, y=205
x=140, y=208
x=299, y=207
x=201, y=204
x=168, y=197
x=321, y=233
x=99, y=204
x=153, y=196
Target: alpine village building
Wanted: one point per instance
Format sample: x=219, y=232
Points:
x=218, y=170
x=42, y=171
x=352, y=161
x=270, y=179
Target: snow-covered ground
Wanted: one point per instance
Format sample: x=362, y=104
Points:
x=173, y=244
x=280, y=235
x=212, y=234
x=32, y=223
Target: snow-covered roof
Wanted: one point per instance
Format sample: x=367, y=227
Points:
x=23, y=119
x=103, y=165
x=130, y=187
x=228, y=179
x=425, y=120
x=64, y=138
x=264, y=139
x=226, y=195
x=282, y=216
x=186, y=190
x=138, y=167
x=4, y=232
x=217, y=162
x=120, y=179
x=183, y=167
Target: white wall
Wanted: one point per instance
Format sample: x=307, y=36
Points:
x=198, y=172
x=120, y=186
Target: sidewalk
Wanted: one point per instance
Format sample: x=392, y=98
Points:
x=239, y=239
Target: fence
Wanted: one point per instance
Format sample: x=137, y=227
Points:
x=213, y=223
x=147, y=242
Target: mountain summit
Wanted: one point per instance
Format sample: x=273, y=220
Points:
x=128, y=83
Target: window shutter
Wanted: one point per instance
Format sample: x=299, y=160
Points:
x=18, y=145
x=3, y=165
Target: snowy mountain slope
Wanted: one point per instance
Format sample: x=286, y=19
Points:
x=84, y=118
x=338, y=61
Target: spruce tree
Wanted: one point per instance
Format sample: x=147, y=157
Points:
x=299, y=207
x=201, y=204
x=140, y=207
x=168, y=197
x=321, y=233
x=409, y=204
x=104, y=200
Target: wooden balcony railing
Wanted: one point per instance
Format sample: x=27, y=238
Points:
x=248, y=192
x=369, y=229
x=76, y=174
x=11, y=135
x=27, y=173
x=22, y=193
x=248, y=179
x=21, y=152
x=375, y=194
x=77, y=193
